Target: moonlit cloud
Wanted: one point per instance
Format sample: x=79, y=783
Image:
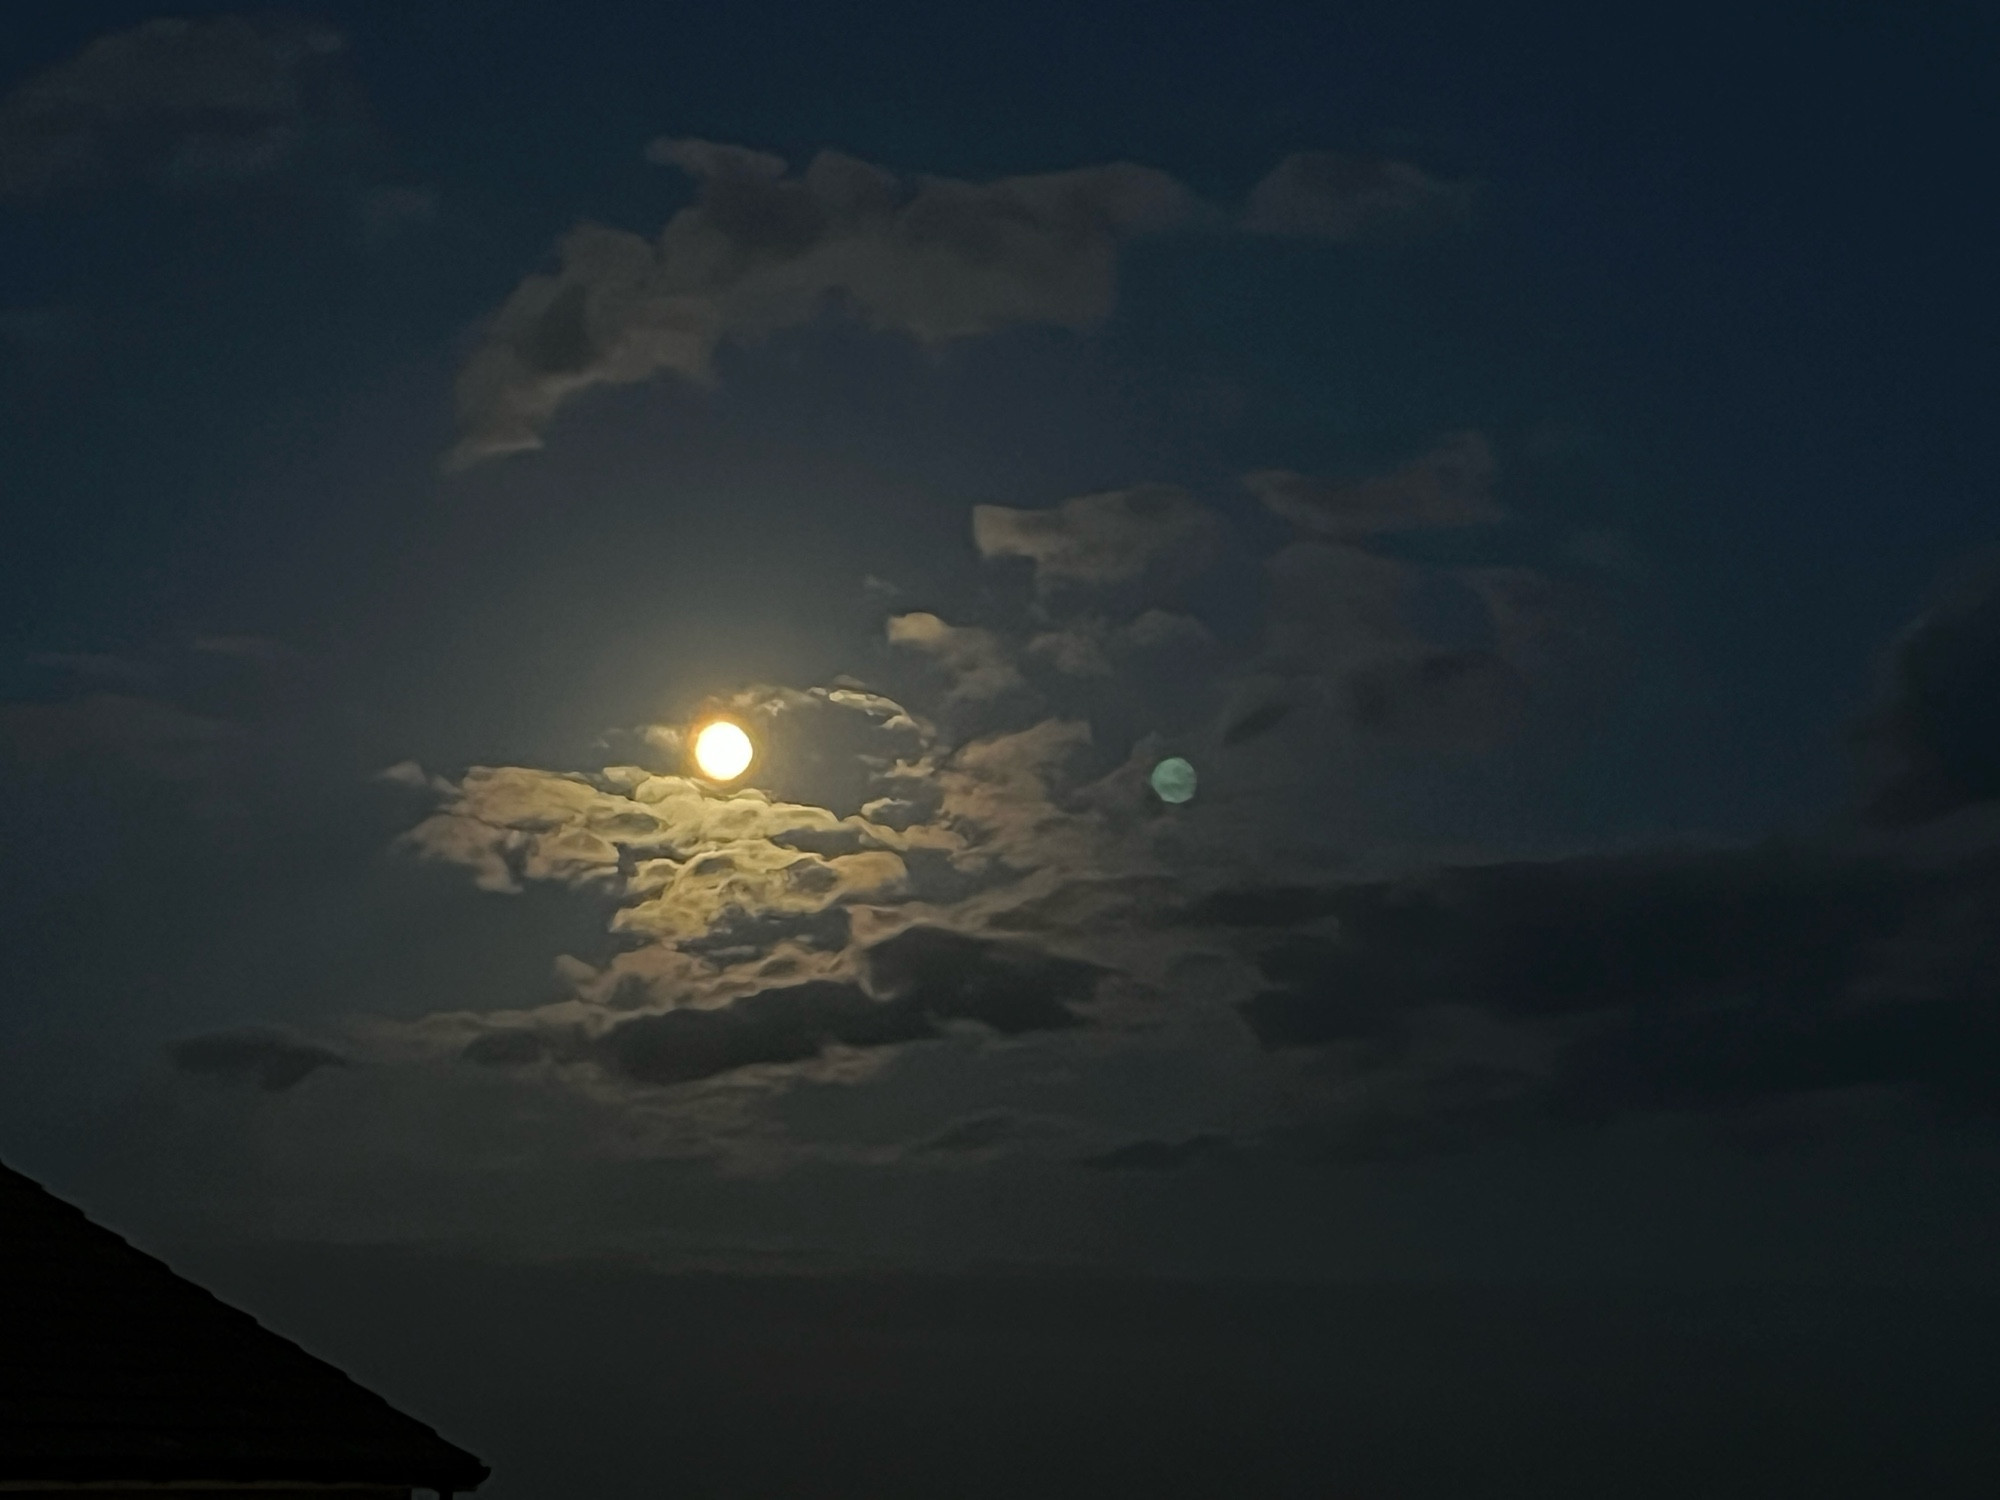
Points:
x=761, y=250
x=915, y=883
x=977, y=659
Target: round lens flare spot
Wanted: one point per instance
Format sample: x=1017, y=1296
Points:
x=723, y=750
x=1173, y=780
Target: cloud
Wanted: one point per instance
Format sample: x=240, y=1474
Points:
x=1449, y=486
x=787, y=1024
x=1435, y=697
x=1010, y=987
x=977, y=659
x=1931, y=744
x=1333, y=603
x=997, y=791
x=506, y=1047
x=1106, y=538
x=1347, y=629
x=896, y=877
x=1331, y=195
x=918, y=982
x=194, y=105
x=1078, y=651
x=760, y=251
x=1091, y=646
x=114, y=732
x=1159, y=1156
x=1494, y=999
x=274, y=1060
x=976, y=1134
x=1256, y=722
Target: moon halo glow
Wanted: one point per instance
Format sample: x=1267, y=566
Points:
x=722, y=750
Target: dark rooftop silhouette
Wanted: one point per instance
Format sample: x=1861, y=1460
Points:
x=118, y=1374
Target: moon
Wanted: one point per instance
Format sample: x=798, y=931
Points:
x=723, y=750
x=1173, y=780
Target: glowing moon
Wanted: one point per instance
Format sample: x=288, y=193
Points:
x=723, y=751
x=1173, y=780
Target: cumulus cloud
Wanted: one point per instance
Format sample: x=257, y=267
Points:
x=184, y=105
x=1449, y=486
x=1333, y=195
x=827, y=913
x=762, y=250
x=912, y=936
x=901, y=888
x=977, y=660
x=1106, y=538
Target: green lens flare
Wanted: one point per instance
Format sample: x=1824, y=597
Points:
x=1173, y=780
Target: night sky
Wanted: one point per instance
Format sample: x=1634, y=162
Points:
x=1533, y=463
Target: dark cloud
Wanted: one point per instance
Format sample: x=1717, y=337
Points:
x=1556, y=937
x=1260, y=720
x=918, y=981
x=1436, y=697
x=761, y=250
x=1159, y=1156
x=1447, y=658
x=1449, y=486
x=827, y=843
x=1332, y=195
x=113, y=732
x=1010, y=987
x=1263, y=906
x=1686, y=982
x=1095, y=902
x=1333, y=602
x=1092, y=646
x=183, y=105
x=975, y=1133
x=506, y=1047
x=789, y=1024
x=1547, y=628
x=1106, y=538
x=1742, y=1055
x=736, y=932
x=1932, y=744
x=275, y=1060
